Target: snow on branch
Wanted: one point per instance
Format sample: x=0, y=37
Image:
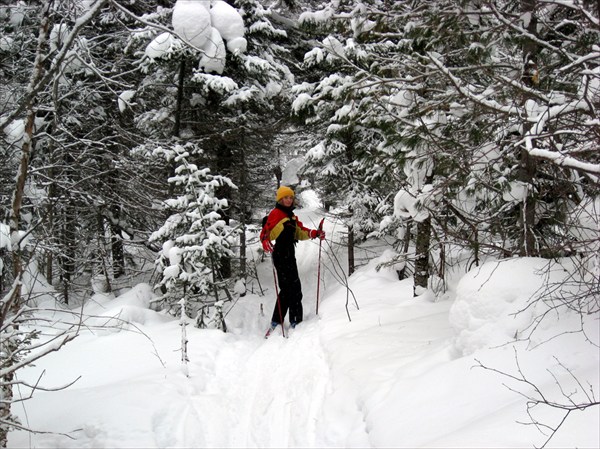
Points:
x=541, y=120
x=563, y=160
x=469, y=93
x=39, y=83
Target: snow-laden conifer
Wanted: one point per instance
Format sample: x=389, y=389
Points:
x=194, y=238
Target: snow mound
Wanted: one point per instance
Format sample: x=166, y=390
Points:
x=489, y=311
x=132, y=307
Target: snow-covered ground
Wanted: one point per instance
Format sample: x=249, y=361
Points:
x=397, y=371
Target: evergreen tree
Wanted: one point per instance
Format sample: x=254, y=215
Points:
x=194, y=238
x=233, y=111
x=341, y=108
x=451, y=82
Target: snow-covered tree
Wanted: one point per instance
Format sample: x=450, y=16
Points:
x=232, y=103
x=194, y=238
x=22, y=120
x=336, y=99
x=453, y=92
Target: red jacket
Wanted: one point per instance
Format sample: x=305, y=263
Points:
x=276, y=221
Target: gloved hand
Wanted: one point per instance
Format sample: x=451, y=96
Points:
x=267, y=246
x=317, y=233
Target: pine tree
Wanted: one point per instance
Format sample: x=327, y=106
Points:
x=194, y=238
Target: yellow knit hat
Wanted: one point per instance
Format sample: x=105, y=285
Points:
x=284, y=191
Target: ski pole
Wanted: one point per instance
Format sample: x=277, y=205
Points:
x=278, y=301
x=319, y=265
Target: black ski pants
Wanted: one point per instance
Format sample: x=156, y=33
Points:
x=290, y=289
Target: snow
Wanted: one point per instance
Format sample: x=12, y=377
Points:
x=15, y=131
x=124, y=100
x=205, y=25
x=237, y=45
x=57, y=36
x=17, y=14
x=406, y=206
x=227, y=20
x=317, y=17
x=160, y=46
x=289, y=176
x=6, y=44
x=517, y=192
x=334, y=46
x=403, y=98
x=192, y=22
x=213, y=60
x=300, y=102
x=401, y=372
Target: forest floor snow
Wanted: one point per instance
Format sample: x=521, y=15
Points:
x=377, y=369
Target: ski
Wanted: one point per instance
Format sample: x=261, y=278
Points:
x=272, y=329
x=283, y=332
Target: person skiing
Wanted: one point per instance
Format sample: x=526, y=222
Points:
x=284, y=227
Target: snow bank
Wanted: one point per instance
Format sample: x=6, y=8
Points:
x=124, y=312
x=500, y=301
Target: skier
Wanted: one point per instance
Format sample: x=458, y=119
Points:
x=284, y=227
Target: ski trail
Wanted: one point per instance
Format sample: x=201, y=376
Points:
x=271, y=391
x=257, y=392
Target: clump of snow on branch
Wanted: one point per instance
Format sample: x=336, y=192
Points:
x=213, y=60
x=125, y=99
x=228, y=21
x=162, y=46
x=406, y=205
x=316, y=17
x=191, y=21
x=208, y=26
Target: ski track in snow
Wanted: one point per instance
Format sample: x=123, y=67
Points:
x=258, y=390
x=275, y=392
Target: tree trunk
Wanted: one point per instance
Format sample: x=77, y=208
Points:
x=50, y=226
x=177, y=126
x=118, y=252
x=528, y=165
x=14, y=302
x=402, y=274
x=351, y=261
x=243, y=207
x=423, y=240
x=67, y=258
x=527, y=216
x=116, y=245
